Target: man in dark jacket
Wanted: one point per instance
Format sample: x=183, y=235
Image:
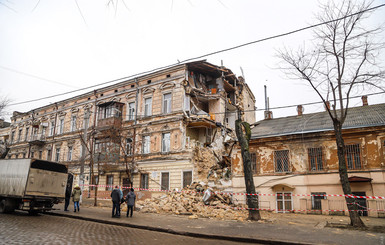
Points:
x=130, y=199
x=115, y=195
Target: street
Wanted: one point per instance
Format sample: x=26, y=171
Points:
x=20, y=228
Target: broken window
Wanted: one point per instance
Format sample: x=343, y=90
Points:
x=281, y=159
x=167, y=103
x=353, y=158
x=254, y=163
x=69, y=155
x=187, y=178
x=165, y=142
x=144, y=181
x=131, y=111
x=146, y=144
x=315, y=159
x=129, y=146
x=316, y=198
x=148, y=107
x=165, y=181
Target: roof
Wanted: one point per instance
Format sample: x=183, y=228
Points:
x=358, y=117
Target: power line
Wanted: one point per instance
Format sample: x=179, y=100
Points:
x=202, y=56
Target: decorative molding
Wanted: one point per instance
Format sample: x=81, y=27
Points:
x=74, y=110
x=150, y=90
x=131, y=95
x=167, y=85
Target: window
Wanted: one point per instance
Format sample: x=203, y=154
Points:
x=254, y=163
x=73, y=123
x=40, y=154
x=49, y=155
x=146, y=144
x=167, y=103
x=110, y=183
x=57, y=155
x=281, y=159
x=69, y=155
x=26, y=134
x=353, y=158
x=144, y=181
x=51, y=129
x=32, y=154
x=187, y=178
x=284, y=202
x=148, y=107
x=316, y=198
x=129, y=146
x=131, y=111
x=19, y=136
x=12, y=136
x=166, y=142
x=61, y=126
x=86, y=120
x=43, y=131
x=165, y=181
x=109, y=110
x=315, y=159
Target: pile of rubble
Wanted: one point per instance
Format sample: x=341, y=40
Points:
x=197, y=202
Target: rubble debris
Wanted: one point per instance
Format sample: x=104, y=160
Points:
x=190, y=202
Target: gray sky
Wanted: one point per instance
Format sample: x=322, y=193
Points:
x=49, y=47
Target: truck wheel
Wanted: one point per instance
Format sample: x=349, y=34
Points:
x=2, y=206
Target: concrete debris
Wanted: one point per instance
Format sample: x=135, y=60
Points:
x=190, y=202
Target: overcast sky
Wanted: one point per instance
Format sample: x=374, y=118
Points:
x=49, y=47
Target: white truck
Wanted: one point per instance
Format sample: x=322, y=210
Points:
x=31, y=185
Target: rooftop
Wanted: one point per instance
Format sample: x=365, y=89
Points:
x=358, y=117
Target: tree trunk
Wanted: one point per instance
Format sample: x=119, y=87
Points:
x=355, y=219
x=243, y=132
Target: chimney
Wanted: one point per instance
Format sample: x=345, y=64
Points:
x=299, y=110
x=327, y=105
x=268, y=115
x=364, y=100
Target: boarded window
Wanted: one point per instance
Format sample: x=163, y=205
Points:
x=281, y=159
x=315, y=159
x=187, y=178
x=165, y=181
x=144, y=181
x=353, y=156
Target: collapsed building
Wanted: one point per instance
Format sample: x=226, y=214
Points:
x=162, y=131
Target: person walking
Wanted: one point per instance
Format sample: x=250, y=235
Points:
x=130, y=199
x=76, y=193
x=115, y=195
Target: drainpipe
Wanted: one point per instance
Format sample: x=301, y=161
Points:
x=134, y=139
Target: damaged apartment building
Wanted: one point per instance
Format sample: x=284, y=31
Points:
x=163, y=130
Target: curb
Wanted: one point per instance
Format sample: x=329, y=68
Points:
x=183, y=233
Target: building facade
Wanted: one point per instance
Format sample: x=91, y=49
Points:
x=295, y=163
x=163, y=130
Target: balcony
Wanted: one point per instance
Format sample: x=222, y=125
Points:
x=106, y=123
x=37, y=139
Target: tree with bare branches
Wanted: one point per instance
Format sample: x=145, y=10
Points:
x=342, y=63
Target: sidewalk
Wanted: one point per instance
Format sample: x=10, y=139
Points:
x=274, y=228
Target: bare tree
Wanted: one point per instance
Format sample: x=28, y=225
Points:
x=341, y=63
x=4, y=101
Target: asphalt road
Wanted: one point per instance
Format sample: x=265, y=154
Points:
x=20, y=228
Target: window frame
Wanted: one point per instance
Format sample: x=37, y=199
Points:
x=73, y=123
x=167, y=108
x=69, y=153
x=148, y=107
x=315, y=157
x=131, y=111
x=146, y=144
x=161, y=181
x=166, y=146
x=144, y=183
x=281, y=161
x=183, y=177
x=109, y=186
x=57, y=154
x=353, y=156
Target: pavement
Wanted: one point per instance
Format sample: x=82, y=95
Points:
x=272, y=229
